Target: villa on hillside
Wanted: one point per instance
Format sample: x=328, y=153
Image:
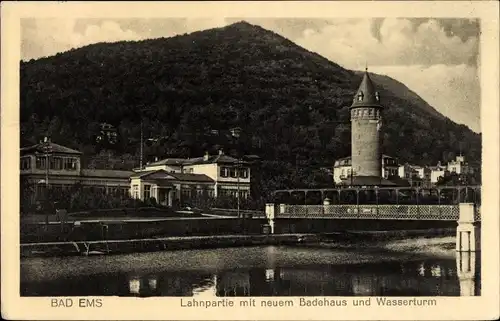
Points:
x=342, y=168
x=411, y=175
x=170, y=181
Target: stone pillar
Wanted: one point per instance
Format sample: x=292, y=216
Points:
x=468, y=229
x=467, y=268
x=270, y=209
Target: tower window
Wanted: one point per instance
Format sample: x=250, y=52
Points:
x=360, y=96
x=377, y=97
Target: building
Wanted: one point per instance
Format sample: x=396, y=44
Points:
x=170, y=181
x=436, y=172
x=49, y=164
x=416, y=176
x=408, y=171
x=459, y=166
x=366, y=122
x=177, y=180
x=342, y=168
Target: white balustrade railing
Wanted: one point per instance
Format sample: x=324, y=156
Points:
x=397, y=212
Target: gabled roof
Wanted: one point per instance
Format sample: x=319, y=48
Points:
x=55, y=148
x=106, y=173
x=349, y=157
x=161, y=174
x=367, y=181
x=147, y=173
x=368, y=93
x=213, y=159
x=192, y=177
x=437, y=168
x=169, y=161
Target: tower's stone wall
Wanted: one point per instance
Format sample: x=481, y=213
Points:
x=365, y=140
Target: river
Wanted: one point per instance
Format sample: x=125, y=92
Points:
x=252, y=271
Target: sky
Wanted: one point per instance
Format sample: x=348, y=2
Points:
x=436, y=58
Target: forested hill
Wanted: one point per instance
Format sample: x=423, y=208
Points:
x=290, y=103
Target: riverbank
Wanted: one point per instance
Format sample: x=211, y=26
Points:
x=160, y=244
x=434, y=242
x=440, y=246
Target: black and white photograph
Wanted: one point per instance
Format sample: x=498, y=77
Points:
x=335, y=160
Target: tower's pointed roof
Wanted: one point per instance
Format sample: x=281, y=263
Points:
x=366, y=95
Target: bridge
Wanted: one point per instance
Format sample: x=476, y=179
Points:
x=358, y=208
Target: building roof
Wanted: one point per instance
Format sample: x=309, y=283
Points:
x=145, y=173
x=211, y=159
x=348, y=158
x=366, y=90
x=192, y=177
x=169, y=161
x=367, y=181
x=401, y=181
x=55, y=148
x=162, y=174
x=437, y=168
x=106, y=173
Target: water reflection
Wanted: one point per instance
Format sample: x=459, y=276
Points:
x=425, y=278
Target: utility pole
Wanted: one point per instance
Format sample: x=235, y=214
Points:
x=238, y=184
x=141, y=151
x=47, y=148
x=236, y=133
x=142, y=110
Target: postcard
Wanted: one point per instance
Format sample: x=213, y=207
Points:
x=250, y=160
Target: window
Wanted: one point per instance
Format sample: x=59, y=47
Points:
x=233, y=172
x=56, y=163
x=360, y=96
x=70, y=164
x=186, y=192
x=41, y=162
x=224, y=172
x=454, y=169
x=135, y=191
x=147, y=192
x=244, y=172
x=25, y=163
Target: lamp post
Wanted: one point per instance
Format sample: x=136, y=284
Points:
x=47, y=149
x=141, y=156
x=236, y=132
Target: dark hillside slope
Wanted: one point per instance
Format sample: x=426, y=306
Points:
x=290, y=103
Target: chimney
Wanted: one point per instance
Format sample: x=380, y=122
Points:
x=205, y=157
